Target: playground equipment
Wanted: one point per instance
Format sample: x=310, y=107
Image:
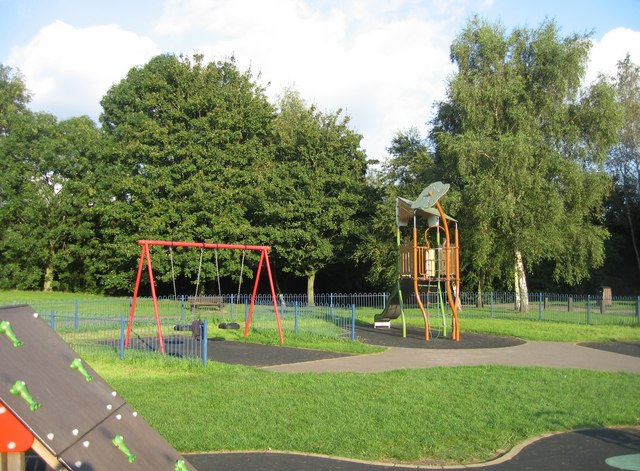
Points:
x=56, y=405
x=433, y=267
x=145, y=256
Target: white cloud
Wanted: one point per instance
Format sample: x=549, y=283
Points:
x=613, y=47
x=69, y=69
x=383, y=62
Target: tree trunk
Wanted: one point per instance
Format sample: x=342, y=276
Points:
x=311, y=279
x=47, y=284
x=48, y=279
x=479, y=301
x=522, y=293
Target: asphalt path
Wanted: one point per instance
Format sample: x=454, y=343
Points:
x=581, y=450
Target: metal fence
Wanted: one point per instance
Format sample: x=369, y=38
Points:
x=99, y=326
x=96, y=324
x=566, y=308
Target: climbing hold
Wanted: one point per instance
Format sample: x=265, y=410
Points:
x=181, y=466
x=5, y=328
x=20, y=388
x=118, y=441
x=76, y=364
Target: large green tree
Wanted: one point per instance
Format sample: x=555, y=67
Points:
x=525, y=146
x=314, y=190
x=46, y=170
x=188, y=139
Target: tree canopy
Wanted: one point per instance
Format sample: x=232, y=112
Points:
x=187, y=139
x=525, y=148
x=314, y=191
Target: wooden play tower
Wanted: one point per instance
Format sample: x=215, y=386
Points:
x=429, y=265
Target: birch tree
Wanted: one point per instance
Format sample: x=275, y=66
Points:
x=525, y=146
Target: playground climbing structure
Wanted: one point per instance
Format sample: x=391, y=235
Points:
x=428, y=266
x=56, y=405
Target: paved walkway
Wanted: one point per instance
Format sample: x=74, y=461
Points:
x=545, y=354
x=580, y=450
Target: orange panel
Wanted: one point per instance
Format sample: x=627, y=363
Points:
x=14, y=437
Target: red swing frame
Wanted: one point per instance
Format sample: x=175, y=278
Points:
x=146, y=256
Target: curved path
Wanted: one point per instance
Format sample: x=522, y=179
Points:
x=472, y=350
x=580, y=450
x=545, y=354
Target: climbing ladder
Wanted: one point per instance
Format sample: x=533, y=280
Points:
x=55, y=404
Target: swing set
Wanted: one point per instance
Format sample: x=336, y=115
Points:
x=145, y=257
x=430, y=265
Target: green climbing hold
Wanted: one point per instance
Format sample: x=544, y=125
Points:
x=76, y=364
x=20, y=388
x=118, y=441
x=5, y=328
x=181, y=466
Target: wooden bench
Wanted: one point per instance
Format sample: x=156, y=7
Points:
x=196, y=302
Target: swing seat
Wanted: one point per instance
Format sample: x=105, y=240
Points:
x=196, y=302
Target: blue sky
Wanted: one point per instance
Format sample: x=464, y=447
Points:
x=385, y=62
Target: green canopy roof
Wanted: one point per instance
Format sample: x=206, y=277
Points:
x=423, y=206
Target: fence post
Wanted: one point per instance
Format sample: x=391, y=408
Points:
x=491, y=300
x=76, y=315
x=205, y=343
x=295, y=317
x=570, y=304
x=246, y=311
x=182, y=307
x=540, y=306
x=121, y=337
x=231, y=307
x=589, y=309
x=353, y=322
x=52, y=319
x=638, y=309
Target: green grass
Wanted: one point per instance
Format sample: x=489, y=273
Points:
x=461, y=415
x=20, y=296
x=552, y=331
x=526, y=329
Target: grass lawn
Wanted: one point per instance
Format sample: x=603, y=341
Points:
x=440, y=415
x=445, y=415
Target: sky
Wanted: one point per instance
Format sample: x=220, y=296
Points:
x=385, y=63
